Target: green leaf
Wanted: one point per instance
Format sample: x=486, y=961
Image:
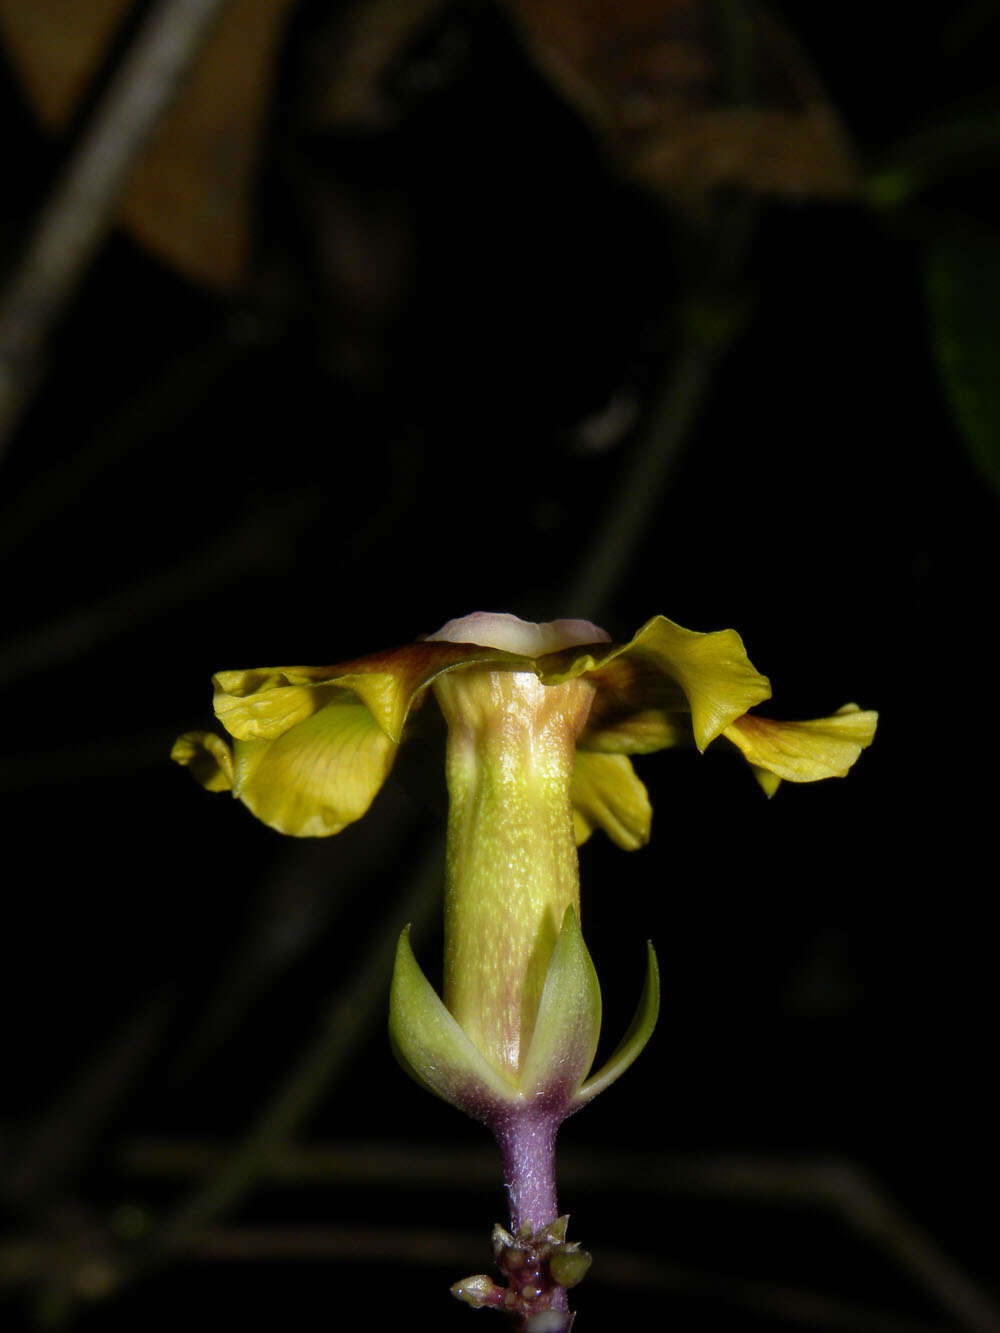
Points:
x=433, y=1049
x=958, y=146
x=639, y=1032
x=564, y=1041
x=963, y=293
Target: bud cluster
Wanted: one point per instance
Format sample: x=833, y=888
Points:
x=538, y=1268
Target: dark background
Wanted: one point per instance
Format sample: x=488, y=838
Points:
x=309, y=470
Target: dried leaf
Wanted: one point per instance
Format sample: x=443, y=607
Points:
x=56, y=47
x=189, y=198
x=658, y=79
x=349, y=55
x=687, y=106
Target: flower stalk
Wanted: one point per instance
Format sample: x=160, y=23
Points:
x=527, y=1143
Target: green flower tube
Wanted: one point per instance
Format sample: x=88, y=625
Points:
x=512, y=866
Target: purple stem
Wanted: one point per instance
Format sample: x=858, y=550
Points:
x=527, y=1141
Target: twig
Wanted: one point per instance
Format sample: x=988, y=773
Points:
x=99, y=759
x=257, y=542
x=346, y=1025
x=311, y=882
x=417, y=1245
x=867, y=1209
x=80, y=211
x=671, y=420
x=709, y=320
x=57, y=1142
x=168, y=393
x=616, y=1269
x=774, y=1300
x=836, y=1184
x=710, y=323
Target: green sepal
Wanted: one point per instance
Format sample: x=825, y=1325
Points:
x=553, y=1233
x=433, y=1049
x=564, y=1041
x=639, y=1032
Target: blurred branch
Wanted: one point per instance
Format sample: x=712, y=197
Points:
x=710, y=320
x=59, y=1139
x=255, y=543
x=917, y=163
x=99, y=759
x=348, y=1022
x=671, y=420
x=614, y=1268
x=310, y=884
x=168, y=393
x=80, y=211
x=773, y=1300
x=961, y=27
x=838, y=1185
x=737, y=36
x=419, y=1245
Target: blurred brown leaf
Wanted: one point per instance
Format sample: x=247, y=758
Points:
x=657, y=79
x=351, y=52
x=687, y=102
x=56, y=47
x=189, y=198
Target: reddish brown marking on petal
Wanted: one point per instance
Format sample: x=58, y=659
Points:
x=411, y=660
x=748, y=722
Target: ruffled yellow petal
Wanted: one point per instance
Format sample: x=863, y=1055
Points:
x=264, y=704
x=769, y=782
x=825, y=747
x=646, y=687
x=669, y=670
x=340, y=725
x=607, y=794
x=261, y=705
x=207, y=756
x=612, y=732
x=320, y=776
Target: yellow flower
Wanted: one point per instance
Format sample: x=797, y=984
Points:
x=541, y=723
x=313, y=745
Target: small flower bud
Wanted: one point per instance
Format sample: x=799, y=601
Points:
x=569, y=1266
x=555, y=1232
x=500, y=1241
x=512, y=1259
x=477, y=1291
